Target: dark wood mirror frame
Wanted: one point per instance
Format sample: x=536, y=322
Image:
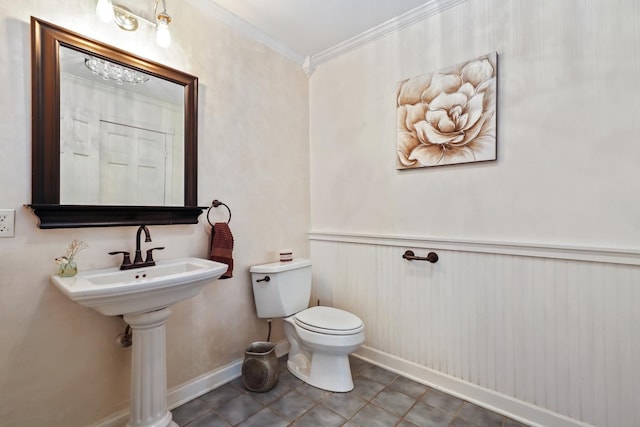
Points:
x=46, y=40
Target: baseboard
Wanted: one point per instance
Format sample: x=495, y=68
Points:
x=513, y=408
x=192, y=389
x=205, y=383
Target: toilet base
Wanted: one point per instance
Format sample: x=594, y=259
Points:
x=326, y=371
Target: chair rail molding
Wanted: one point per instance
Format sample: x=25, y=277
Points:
x=577, y=253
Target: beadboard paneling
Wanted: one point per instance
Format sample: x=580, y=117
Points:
x=559, y=333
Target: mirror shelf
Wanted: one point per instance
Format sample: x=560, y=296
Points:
x=47, y=42
x=77, y=216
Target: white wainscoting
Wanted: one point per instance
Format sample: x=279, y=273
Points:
x=552, y=328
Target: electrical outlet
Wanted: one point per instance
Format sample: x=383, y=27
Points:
x=7, y=218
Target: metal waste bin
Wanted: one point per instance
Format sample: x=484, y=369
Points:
x=260, y=366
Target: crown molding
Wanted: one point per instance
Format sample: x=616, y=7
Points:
x=430, y=8
x=308, y=63
x=254, y=33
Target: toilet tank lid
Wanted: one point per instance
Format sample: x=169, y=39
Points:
x=277, y=267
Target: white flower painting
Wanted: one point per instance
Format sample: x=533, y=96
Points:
x=448, y=117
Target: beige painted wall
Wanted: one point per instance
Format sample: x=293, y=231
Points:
x=58, y=363
x=568, y=97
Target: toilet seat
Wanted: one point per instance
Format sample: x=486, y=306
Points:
x=329, y=321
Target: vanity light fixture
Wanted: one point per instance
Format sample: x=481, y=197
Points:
x=104, y=10
x=127, y=20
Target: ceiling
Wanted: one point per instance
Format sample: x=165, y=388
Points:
x=307, y=28
x=311, y=26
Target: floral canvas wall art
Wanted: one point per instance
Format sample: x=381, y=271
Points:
x=449, y=116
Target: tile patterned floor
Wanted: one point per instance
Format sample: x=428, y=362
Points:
x=380, y=398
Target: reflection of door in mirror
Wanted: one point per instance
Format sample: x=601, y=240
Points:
x=79, y=156
x=135, y=165
x=120, y=144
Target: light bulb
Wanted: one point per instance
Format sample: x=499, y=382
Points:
x=104, y=10
x=163, y=35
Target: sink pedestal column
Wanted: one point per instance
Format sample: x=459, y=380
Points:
x=148, y=407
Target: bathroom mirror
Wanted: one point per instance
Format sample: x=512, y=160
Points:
x=114, y=136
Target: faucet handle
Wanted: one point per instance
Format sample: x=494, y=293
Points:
x=149, y=260
x=126, y=260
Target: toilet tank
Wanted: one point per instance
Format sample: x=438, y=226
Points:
x=285, y=292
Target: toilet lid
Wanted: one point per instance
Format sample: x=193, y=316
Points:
x=329, y=320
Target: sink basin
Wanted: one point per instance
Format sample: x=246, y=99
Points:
x=114, y=292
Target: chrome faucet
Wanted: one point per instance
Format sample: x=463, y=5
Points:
x=137, y=260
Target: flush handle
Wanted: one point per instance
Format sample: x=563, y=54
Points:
x=264, y=279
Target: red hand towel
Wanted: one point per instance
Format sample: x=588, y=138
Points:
x=222, y=247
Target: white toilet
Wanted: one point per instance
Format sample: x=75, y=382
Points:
x=321, y=338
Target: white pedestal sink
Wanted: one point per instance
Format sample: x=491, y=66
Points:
x=143, y=297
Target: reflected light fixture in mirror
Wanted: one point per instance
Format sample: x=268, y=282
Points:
x=110, y=71
x=127, y=20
